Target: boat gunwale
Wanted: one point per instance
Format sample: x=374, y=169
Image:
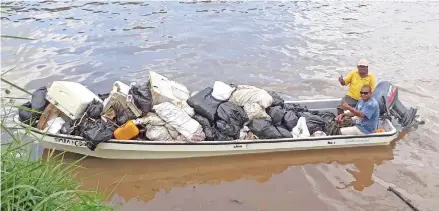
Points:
x=259, y=141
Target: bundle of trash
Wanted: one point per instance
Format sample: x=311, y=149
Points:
x=164, y=110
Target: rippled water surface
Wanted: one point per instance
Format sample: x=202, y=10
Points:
x=298, y=48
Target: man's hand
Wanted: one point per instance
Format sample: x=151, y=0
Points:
x=339, y=118
x=341, y=80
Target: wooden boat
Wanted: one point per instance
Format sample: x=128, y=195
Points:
x=135, y=149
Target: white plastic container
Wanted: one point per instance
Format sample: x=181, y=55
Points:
x=70, y=97
x=165, y=90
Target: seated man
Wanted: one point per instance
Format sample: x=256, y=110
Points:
x=356, y=79
x=367, y=110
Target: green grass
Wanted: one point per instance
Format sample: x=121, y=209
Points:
x=39, y=184
x=47, y=184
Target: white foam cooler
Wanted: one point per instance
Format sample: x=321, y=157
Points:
x=165, y=90
x=70, y=97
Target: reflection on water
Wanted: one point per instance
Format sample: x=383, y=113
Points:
x=297, y=48
x=143, y=178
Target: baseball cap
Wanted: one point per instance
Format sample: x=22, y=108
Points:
x=363, y=62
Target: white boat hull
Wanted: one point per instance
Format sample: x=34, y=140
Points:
x=133, y=149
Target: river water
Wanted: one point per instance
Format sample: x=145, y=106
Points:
x=297, y=48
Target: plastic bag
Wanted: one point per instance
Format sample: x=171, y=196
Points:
x=290, y=120
x=180, y=120
x=103, y=96
x=233, y=118
x=172, y=131
x=255, y=111
x=142, y=97
x=207, y=128
x=39, y=101
x=158, y=133
x=243, y=133
x=196, y=137
x=97, y=132
x=94, y=109
x=183, y=105
x=227, y=129
x=27, y=117
x=301, y=130
x=284, y=132
x=314, y=122
x=277, y=114
x=54, y=125
x=204, y=104
x=277, y=100
x=222, y=91
x=246, y=94
x=151, y=118
x=211, y=133
x=295, y=107
x=325, y=115
x=264, y=129
x=123, y=115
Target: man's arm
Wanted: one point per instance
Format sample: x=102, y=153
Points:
x=347, y=80
x=354, y=112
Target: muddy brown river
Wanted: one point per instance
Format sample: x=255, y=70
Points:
x=297, y=48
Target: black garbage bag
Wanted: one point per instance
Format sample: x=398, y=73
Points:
x=75, y=127
x=68, y=128
x=277, y=100
x=218, y=136
x=277, y=114
x=290, y=120
x=97, y=132
x=212, y=134
x=325, y=115
x=232, y=118
x=142, y=97
x=264, y=129
x=103, y=96
x=295, y=107
x=39, y=101
x=26, y=116
x=204, y=104
x=94, y=109
x=227, y=129
x=284, y=132
x=313, y=122
x=123, y=115
x=207, y=128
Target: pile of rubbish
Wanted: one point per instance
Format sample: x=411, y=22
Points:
x=164, y=110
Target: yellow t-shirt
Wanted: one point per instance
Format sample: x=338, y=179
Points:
x=355, y=82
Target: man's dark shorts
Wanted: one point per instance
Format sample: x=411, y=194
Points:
x=349, y=100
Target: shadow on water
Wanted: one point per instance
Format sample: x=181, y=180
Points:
x=142, y=179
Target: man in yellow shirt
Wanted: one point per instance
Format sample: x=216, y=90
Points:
x=356, y=79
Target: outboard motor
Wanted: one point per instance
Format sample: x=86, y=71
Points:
x=386, y=95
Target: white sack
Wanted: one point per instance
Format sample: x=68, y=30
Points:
x=157, y=133
x=196, y=137
x=151, y=118
x=246, y=94
x=222, y=91
x=300, y=130
x=179, y=120
x=255, y=111
x=183, y=105
x=172, y=131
